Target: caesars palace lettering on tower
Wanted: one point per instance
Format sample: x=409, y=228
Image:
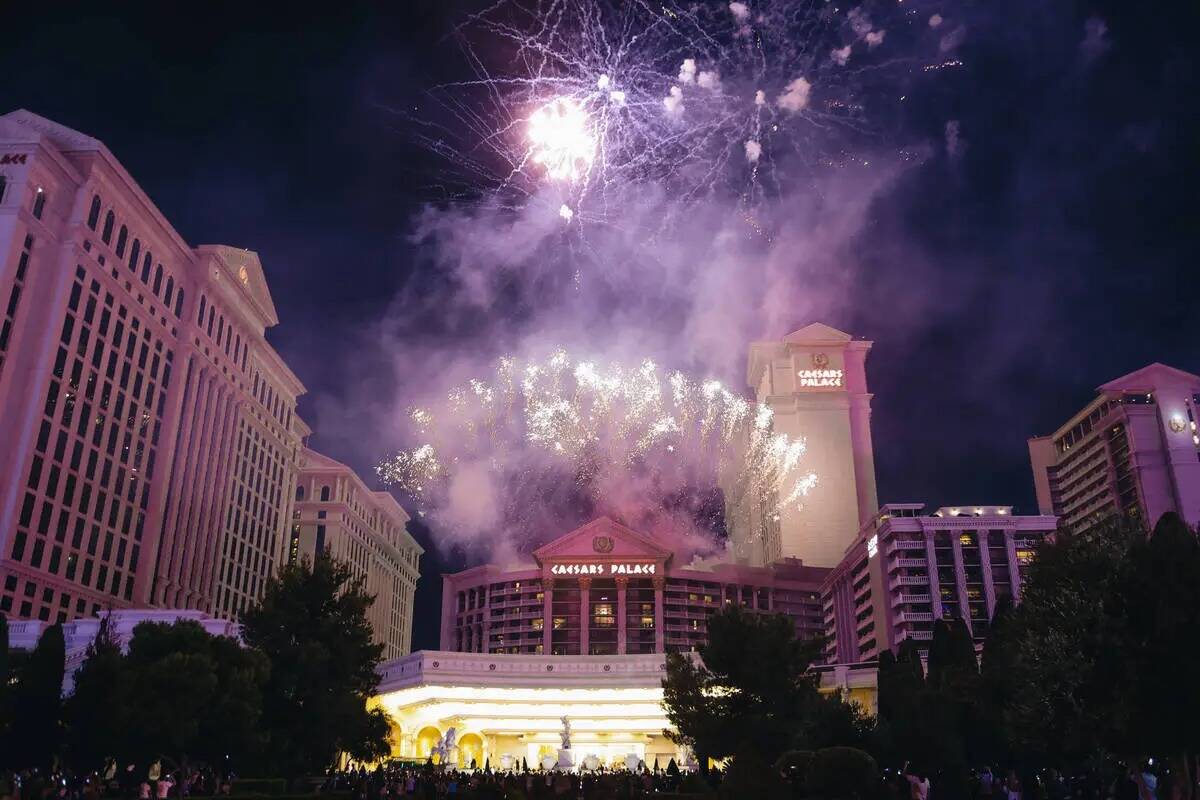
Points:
x=602, y=569
x=819, y=378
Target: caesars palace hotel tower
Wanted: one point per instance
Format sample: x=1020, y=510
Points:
x=814, y=380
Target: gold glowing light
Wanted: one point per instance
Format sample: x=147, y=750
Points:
x=562, y=140
x=605, y=420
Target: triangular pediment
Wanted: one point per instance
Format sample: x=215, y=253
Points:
x=64, y=138
x=602, y=538
x=243, y=271
x=817, y=333
x=1149, y=378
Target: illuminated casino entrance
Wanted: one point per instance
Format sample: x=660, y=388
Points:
x=505, y=709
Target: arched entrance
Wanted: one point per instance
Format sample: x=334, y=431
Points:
x=427, y=739
x=470, y=747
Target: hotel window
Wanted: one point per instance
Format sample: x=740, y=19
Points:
x=146, y=262
x=39, y=202
x=3, y=186
x=109, y=221
x=122, y=237
x=93, y=214
x=179, y=308
x=158, y=276
x=134, y=252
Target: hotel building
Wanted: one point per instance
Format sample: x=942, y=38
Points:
x=581, y=631
x=149, y=430
x=815, y=382
x=605, y=589
x=907, y=569
x=337, y=515
x=1133, y=450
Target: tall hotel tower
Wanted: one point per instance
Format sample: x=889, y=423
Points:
x=1134, y=450
x=150, y=444
x=814, y=380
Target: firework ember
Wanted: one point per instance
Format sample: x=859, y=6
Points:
x=603, y=428
x=601, y=97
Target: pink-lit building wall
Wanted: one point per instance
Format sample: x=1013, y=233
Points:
x=605, y=589
x=908, y=569
x=1134, y=450
x=814, y=381
x=149, y=429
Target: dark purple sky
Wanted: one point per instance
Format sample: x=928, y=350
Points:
x=1058, y=251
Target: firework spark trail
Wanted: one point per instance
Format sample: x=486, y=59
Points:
x=596, y=97
x=656, y=164
x=599, y=424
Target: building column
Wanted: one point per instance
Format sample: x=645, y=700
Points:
x=585, y=586
x=1014, y=566
x=960, y=581
x=622, y=585
x=660, y=640
x=547, y=615
x=935, y=589
x=985, y=566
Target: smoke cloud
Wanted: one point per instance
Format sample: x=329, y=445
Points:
x=795, y=97
x=500, y=279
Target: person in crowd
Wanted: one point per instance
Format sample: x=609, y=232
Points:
x=918, y=783
x=987, y=783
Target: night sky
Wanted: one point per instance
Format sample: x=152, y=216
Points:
x=1056, y=251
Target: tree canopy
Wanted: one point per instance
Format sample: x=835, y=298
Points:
x=752, y=691
x=312, y=627
x=179, y=693
x=36, y=730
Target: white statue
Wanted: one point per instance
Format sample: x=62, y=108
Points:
x=445, y=747
x=566, y=733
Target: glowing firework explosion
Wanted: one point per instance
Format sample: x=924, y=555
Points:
x=605, y=429
x=579, y=102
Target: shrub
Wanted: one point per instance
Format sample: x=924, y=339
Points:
x=794, y=765
x=694, y=783
x=842, y=773
x=749, y=776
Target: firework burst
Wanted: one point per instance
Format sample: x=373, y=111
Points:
x=629, y=440
x=577, y=103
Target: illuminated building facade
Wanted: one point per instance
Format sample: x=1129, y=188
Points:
x=149, y=429
x=506, y=708
x=606, y=590
x=814, y=380
x=1133, y=450
x=907, y=569
x=336, y=514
